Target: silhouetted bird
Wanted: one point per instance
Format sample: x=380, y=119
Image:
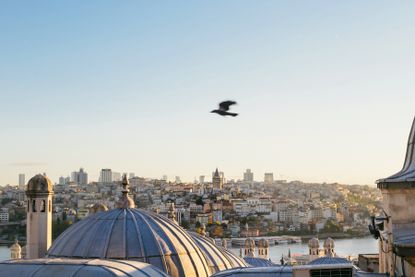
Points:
x=224, y=108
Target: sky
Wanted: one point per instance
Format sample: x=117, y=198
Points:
x=325, y=89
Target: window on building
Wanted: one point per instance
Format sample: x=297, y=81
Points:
x=33, y=205
x=43, y=206
x=28, y=206
x=50, y=205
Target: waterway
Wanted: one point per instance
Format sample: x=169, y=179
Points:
x=343, y=247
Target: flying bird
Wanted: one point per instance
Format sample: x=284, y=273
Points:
x=224, y=108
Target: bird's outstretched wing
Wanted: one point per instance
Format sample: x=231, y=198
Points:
x=224, y=106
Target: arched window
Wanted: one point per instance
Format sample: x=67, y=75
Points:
x=43, y=206
x=50, y=205
x=28, y=205
x=33, y=205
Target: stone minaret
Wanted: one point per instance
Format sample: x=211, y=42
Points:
x=39, y=216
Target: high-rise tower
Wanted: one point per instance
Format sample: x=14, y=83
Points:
x=21, y=181
x=248, y=176
x=80, y=177
x=268, y=178
x=105, y=176
x=39, y=216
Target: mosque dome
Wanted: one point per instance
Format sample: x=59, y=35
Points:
x=249, y=243
x=314, y=243
x=263, y=243
x=329, y=243
x=78, y=268
x=259, y=262
x=39, y=184
x=218, y=257
x=133, y=234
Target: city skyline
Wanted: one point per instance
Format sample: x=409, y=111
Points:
x=116, y=176
x=325, y=90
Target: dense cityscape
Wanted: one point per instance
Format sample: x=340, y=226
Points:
x=207, y=138
x=225, y=207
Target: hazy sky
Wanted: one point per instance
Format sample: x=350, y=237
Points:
x=325, y=89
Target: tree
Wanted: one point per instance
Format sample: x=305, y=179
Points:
x=185, y=224
x=217, y=231
x=331, y=227
x=199, y=201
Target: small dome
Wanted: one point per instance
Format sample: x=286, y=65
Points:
x=98, y=207
x=71, y=212
x=263, y=243
x=39, y=184
x=329, y=243
x=314, y=243
x=15, y=247
x=249, y=243
x=133, y=234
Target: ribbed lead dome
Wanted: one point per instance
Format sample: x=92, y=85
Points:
x=133, y=234
x=77, y=268
x=218, y=257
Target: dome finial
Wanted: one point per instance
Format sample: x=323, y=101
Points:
x=125, y=201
